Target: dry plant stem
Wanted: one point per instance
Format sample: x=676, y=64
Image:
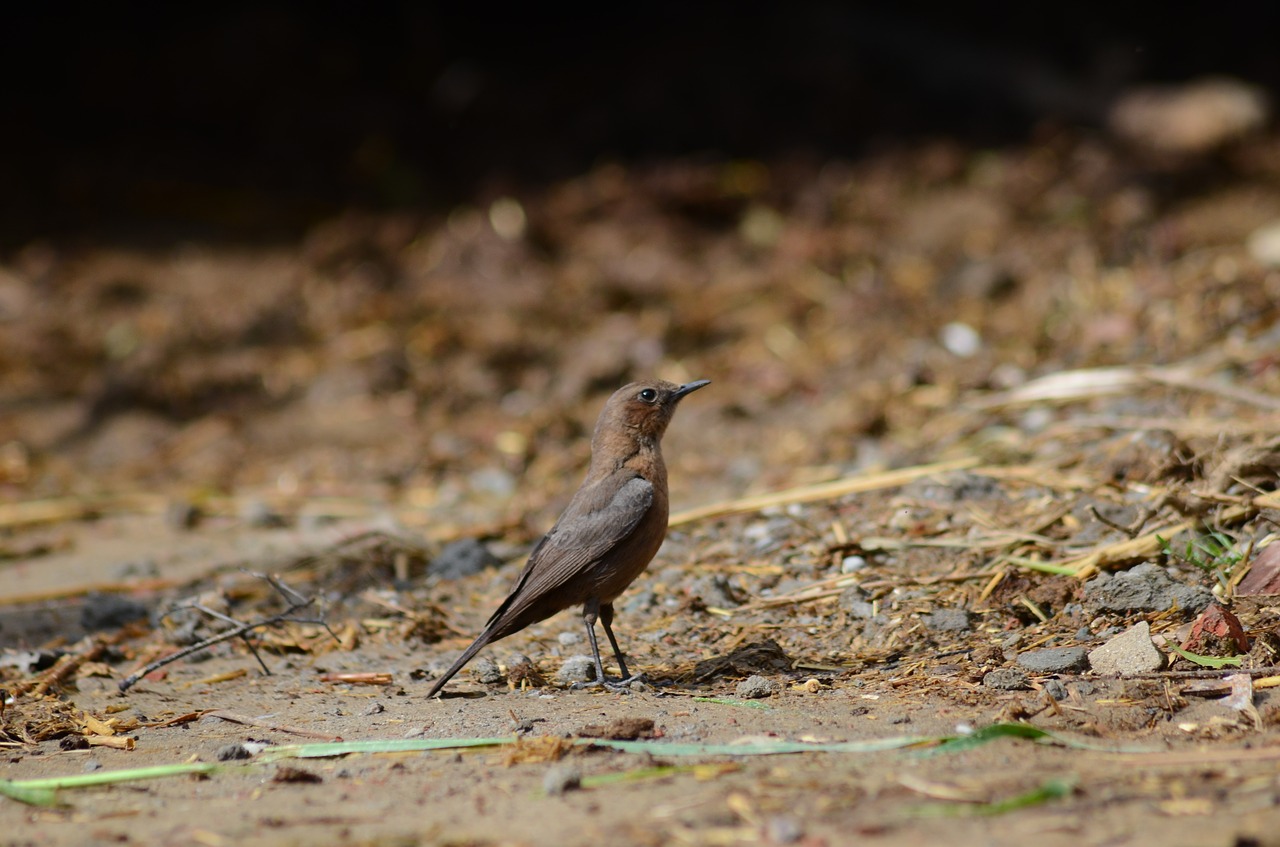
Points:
x=63, y=668
x=1131, y=530
x=296, y=602
x=821, y=491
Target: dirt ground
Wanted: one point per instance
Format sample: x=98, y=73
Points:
x=950, y=387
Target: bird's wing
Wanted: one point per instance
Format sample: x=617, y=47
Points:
x=592, y=525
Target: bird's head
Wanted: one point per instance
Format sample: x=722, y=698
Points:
x=642, y=410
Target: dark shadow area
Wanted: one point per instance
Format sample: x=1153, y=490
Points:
x=251, y=123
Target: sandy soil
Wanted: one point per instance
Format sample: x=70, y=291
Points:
x=340, y=410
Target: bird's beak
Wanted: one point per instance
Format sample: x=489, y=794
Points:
x=689, y=388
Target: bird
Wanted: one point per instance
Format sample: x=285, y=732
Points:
x=608, y=533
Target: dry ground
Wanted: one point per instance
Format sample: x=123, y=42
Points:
x=1080, y=346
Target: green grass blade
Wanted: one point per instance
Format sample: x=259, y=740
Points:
x=1207, y=661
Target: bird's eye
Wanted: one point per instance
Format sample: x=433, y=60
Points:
x=648, y=395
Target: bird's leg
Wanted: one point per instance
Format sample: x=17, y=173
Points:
x=606, y=620
x=591, y=612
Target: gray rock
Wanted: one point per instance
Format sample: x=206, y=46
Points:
x=232, y=752
x=641, y=601
x=947, y=620
x=260, y=514
x=783, y=829
x=714, y=591
x=1055, y=689
x=1144, y=588
x=855, y=602
x=561, y=778
x=1007, y=679
x=110, y=611
x=1129, y=652
x=577, y=669
x=486, y=671
x=569, y=638
x=755, y=687
x=463, y=558
x=1054, y=660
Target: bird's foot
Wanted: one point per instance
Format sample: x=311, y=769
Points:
x=635, y=682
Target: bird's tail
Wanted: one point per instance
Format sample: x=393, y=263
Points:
x=511, y=616
x=467, y=655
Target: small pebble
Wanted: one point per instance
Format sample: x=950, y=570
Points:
x=486, y=671
x=577, y=669
x=232, y=752
x=1007, y=679
x=756, y=687
x=852, y=564
x=258, y=513
x=561, y=778
x=464, y=557
x=92, y=765
x=182, y=514
x=961, y=340
x=1264, y=244
x=784, y=829
x=1129, y=652
x=947, y=620
x=1054, y=660
x=1055, y=689
x=568, y=639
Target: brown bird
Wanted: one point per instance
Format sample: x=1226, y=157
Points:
x=609, y=532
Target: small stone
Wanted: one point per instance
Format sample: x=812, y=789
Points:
x=577, y=669
x=486, y=671
x=1007, y=679
x=1144, y=588
x=1191, y=118
x=258, y=513
x=462, y=558
x=1264, y=245
x=961, y=340
x=374, y=708
x=92, y=765
x=755, y=687
x=232, y=752
x=1129, y=652
x=561, y=778
x=854, y=601
x=110, y=611
x=947, y=620
x=852, y=564
x=568, y=639
x=714, y=591
x=1054, y=660
x=784, y=829
x=1055, y=689
x=182, y=514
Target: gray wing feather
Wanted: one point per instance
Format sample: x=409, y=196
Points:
x=592, y=525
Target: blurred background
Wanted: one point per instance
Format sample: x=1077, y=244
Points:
x=401, y=254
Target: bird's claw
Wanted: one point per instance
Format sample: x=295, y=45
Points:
x=635, y=682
